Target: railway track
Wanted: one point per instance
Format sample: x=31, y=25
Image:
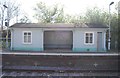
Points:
x=49, y=73
x=16, y=73
x=57, y=66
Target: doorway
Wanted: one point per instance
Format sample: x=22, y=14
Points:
x=58, y=40
x=99, y=41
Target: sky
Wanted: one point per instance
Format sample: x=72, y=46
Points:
x=72, y=7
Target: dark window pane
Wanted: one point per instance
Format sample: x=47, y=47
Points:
x=29, y=39
x=91, y=39
x=86, y=40
x=29, y=33
x=25, y=39
x=91, y=34
x=86, y=34
x=25, y=33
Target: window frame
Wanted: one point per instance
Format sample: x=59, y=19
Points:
x=27, y=36
x=85, y=38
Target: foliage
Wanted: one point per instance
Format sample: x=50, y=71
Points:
x=119, y=31
x=114, y=31
x=48, y=14
x=73, y=19
x=3, y=43
x=24, y=19
x=96, y=15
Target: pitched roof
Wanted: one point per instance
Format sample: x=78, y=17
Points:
x=57, y=25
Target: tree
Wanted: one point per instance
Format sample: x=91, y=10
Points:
x=1, y=8
x=118, y=26
x=114, y=31
x=118, y=31
x=96, y=15
x=12, y=10
x=25, y=19
x=47, y=14
x=75, y=19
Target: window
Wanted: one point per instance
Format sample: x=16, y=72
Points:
x=27, y=37
x=88, y=38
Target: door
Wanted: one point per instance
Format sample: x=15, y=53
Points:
x=99, y=41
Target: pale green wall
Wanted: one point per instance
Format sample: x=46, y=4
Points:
x=38, y=39
x=78, y=40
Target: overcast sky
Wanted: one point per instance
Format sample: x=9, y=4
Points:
x=70, y=6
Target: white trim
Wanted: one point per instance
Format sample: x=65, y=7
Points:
x=23, y=37
x=85, y=39
x=61, y=54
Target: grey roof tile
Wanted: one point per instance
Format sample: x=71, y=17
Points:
x=57, y=25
